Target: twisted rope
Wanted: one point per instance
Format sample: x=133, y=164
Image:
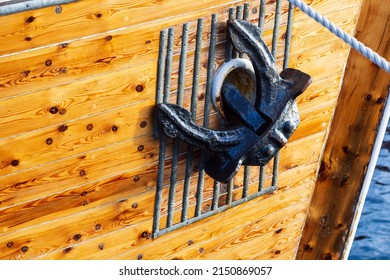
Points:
x=358, y=46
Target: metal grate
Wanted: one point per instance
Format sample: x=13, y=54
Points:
x=176, y=206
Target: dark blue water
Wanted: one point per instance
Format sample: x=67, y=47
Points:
x=372, y=240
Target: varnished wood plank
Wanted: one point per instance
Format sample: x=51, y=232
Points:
x=42, y=27
x=73, y=144
x=284, y=247
x=322, y=60
x=71, y=230
x=61, y=104
x=97, y=94
x=139, y=243
x=351, y=138
x=136, y=233
x=71, y=138
x=88, y=196
x=264, y=234
x=32, y=111
x=54, y=65
x=316, y=106
x=305, y=102
x=306, y=31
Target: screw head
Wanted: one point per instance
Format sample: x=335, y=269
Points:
x=288, y=127
x=268, y=150
x=58, y=9
x=53, y=110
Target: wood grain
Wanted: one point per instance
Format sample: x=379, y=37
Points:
x=89, y=196
x=83, y=226
x=92, y=186
x=91, y=96
x=80, y=19
x=61, y=63
x=350, y=142
x=134, y=244
x=239, y=243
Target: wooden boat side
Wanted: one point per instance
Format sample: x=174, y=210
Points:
x=78, y=163
x=329, y=228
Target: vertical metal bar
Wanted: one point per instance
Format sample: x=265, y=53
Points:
x=159, y=99
x=247, y=168
x=247, y=172
x=229, y=45
x=194, y=99
x=179, y=101
x=229, y=195
x=238, y=16
x=210, y=70
x=182, y=65
x=246, y=11
x=261, y=26
x=206, y=115
x=275, y=170
x=261, y=178
x=287, y=45
x=275, y=35
x=275, y=38
x=160, y=76
x=239, y=11
x=262, y=14
x=195, y=78
x=215, y=195
x=168, y=65
x=244, y=17
x=229, y=54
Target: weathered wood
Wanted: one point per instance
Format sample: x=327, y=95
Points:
x=348, y=150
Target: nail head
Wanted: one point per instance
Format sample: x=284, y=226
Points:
x=53, y=110
x=58, y=9
x=63, y=128
x=143, y=124
x=139, y=88
x=49, y=141
x=89, y=126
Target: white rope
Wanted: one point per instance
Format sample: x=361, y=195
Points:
x=360, y=47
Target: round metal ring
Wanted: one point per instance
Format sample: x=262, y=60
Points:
x=221, y=75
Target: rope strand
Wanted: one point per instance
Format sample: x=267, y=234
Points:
x=353, y=42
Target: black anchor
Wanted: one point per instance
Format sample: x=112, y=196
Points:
x=255, y=132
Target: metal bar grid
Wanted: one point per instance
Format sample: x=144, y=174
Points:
x=163, y=90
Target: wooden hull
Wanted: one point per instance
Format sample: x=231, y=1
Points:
x=78, y=163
